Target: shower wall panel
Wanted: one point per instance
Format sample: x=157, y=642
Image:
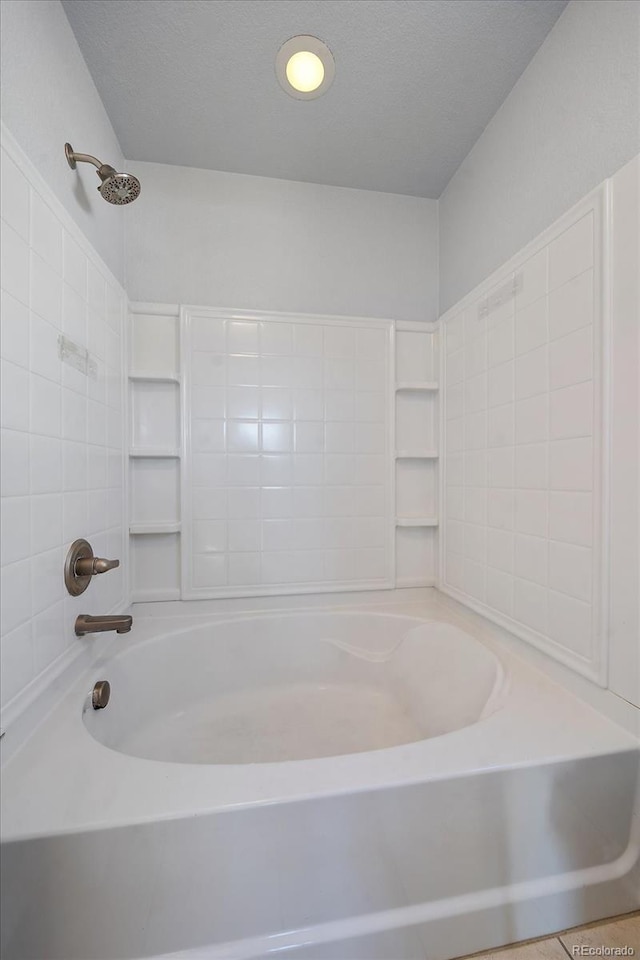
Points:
x=287, y=461
x=525, y=432
x=62, y=428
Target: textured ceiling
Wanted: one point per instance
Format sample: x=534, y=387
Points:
x=193, y=82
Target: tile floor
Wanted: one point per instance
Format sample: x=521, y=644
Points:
x=615, y=932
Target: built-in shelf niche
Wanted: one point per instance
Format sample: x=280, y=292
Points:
x=155, y=564
x=154, y=452
x=415, y=556
x=416, y=354
x=155, y=414
x=155, y=491
x=416, y=454
x=416, y=420
x=416, y=488
x=155, y=339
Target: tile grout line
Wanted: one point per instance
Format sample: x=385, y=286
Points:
x=559, y=939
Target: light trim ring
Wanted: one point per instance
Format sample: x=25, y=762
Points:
x=300, y=44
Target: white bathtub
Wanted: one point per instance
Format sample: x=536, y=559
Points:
x=275, y=688
x=381, y=780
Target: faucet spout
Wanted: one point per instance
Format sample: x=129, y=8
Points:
x=86, y=624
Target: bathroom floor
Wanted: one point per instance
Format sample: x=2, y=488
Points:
x=613, y=934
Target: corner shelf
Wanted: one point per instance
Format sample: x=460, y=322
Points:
x=155, y=377
x=155, y=453
x=417, y=385
x=417, y=454
x=155, y=441
x=416, y=521
x=142, y=529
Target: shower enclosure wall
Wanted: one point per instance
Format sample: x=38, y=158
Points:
x=63, y=429
x=276, y=453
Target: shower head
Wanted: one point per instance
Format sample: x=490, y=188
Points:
x=118, y=188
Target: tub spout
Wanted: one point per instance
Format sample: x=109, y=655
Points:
x=86, y=624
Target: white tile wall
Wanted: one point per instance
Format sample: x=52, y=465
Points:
x=287, y=480
x=62, y=432
x=521, y=387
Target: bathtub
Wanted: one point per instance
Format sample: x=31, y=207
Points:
x=372, y=779
x=299, y=687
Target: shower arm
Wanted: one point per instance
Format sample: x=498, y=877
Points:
x=104, y=169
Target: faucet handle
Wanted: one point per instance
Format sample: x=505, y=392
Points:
x=81, y=565
x=89, y=566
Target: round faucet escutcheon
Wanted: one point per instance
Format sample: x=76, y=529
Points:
x=81, y=565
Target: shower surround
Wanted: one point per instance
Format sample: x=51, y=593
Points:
x=280, y=453
x=526, y=755
x=524, y=743
x=63, y=428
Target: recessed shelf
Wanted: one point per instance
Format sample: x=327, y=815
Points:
x=416, y=521
x=155, y=453
x=155, y=377
x=140, y=529
x=417, y=454
x=415, y=385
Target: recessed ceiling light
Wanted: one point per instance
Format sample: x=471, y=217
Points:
x=305, y=67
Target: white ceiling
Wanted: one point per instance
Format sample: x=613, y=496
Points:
x=193, y=82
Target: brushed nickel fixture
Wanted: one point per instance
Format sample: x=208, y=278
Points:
x=120, y=622
x=118, y=188
x=81, y=565
x=100, y=694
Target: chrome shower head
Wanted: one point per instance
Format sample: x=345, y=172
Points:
x=117, y=188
